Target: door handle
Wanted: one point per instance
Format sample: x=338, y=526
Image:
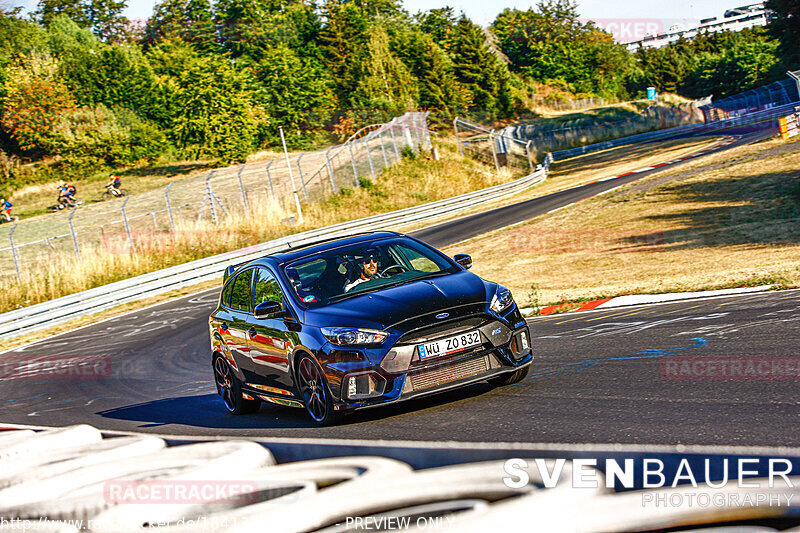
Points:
x=252, y=333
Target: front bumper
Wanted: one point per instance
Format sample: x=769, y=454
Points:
x=415, y=379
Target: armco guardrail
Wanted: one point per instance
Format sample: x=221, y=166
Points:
x=60, y=310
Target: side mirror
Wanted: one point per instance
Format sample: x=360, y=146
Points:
x=268, y=309
x=464, y=260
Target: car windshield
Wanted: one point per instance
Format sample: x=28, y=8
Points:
x=331, y=276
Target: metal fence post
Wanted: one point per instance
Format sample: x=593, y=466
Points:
x=528, y=147
x=418, y=129
x=369, y=158
x=241, y=187
x=269, y=179
x=74, y=235
x=14, y=252
x=210, y=196
x=494, y=151
x=302, y=179
x=330, y=168
x=394, y=140
x=125, y=221
x=169, y=208
x=383, y=149
x=353, y=160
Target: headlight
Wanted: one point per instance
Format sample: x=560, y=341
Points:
x=354, y=336
x=501, y=300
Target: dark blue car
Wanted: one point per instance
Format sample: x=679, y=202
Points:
x=360, y=322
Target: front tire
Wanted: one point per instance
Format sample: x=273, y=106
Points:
x=511, y=377
x=315, y=392
x=229, y=388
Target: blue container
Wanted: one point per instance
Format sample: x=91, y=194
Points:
x=651, y=93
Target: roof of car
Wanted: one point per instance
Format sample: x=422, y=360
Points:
x=305, y=250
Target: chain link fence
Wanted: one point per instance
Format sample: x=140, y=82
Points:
x=493, y=148
x=209, y=197
x=773, y=95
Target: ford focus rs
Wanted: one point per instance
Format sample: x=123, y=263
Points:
x=359, y=322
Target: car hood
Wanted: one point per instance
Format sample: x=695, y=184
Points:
x=385, y=308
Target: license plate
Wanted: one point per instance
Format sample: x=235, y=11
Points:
x=450, y=345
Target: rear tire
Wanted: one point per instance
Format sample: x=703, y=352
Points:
x=315, y=392
x=229, y=388
x=510, y=378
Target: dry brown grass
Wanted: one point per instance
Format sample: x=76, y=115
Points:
x=733, y=224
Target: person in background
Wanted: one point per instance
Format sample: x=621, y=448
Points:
x=113, y=185
x=6, y=206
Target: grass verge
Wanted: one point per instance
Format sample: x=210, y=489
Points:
x=725, y=220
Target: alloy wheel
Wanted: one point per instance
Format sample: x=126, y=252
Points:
x=224, y=381
x=312, y=386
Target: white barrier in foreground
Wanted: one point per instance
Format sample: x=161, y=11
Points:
x=137, y=482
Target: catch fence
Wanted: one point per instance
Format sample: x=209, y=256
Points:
x=759, y=99
x=494, y=148
x=210, y=197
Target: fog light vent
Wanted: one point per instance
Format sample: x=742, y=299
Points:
x=360, y=386
x=520, y=344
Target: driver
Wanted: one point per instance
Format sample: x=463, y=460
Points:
x=369, y=270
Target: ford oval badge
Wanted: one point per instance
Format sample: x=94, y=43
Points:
x=442, y=315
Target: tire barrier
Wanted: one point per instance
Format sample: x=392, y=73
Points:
x=68, y=479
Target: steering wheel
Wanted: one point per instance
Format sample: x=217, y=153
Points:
x=394, y=269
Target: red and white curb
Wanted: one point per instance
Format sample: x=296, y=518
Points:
x=643, y=299
x=725, y=142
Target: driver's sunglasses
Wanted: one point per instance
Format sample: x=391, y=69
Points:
x=370, y=259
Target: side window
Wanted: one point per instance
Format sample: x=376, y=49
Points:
x=226, y=294
x=267, y=288
x=240, y=295
x=418, y=261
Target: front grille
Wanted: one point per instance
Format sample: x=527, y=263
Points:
x=438, y=331
x=448, y=372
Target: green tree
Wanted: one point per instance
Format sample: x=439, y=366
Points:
x=479, y=69
x=384, y=82
x=295, y=93
x=34, y=101
x=191, y=21
x=784, y=25
x=214, y=114
x=103, y=17
x=440, y=24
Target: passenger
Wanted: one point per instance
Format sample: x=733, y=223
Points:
x=368, y=268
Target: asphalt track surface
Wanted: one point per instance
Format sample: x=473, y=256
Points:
x=649, y=375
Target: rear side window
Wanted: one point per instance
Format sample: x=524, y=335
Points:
x=226, y=294
x=240, y=294
x=267, y=288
